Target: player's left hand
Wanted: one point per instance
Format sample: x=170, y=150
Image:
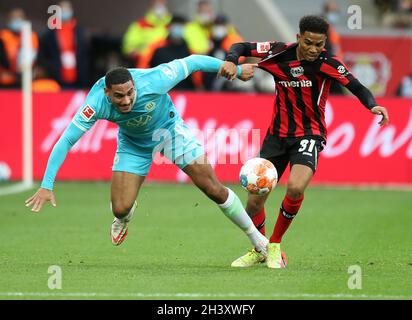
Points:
x=383, y=112
x=248, y=71
x=39, y=198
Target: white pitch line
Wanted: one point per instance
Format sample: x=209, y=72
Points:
x=202, y=295
x=16, y=188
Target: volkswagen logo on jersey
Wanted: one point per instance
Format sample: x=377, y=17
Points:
x=139, y=122
x=297, y=71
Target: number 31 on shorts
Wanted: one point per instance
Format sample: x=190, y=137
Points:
x=309, y=149
x=307, y=145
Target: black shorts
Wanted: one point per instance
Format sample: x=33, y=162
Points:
x=300, y=150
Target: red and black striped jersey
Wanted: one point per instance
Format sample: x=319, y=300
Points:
x=302, y=87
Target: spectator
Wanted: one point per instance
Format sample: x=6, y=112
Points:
x=144, y=32
x=173, y=47
x=331, y=13
x=405, y=87
x=223, y=35
x=397, y=14
x=385, y=6
x=65, y=51
x=42, y=82
x=10, y=48
x=197, y=33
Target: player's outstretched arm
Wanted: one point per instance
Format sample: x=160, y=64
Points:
x=168, y=75
x=242, y=49
x=379, y=110
x=56, y=159
x=367, y=99
x=209, y=64
x=337, y=70
x=37, y=200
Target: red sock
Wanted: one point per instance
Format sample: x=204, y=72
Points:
x=259, y=221
x=287, y=212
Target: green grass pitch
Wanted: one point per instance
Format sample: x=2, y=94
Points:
x=180, y=246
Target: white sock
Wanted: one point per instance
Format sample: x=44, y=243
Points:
x=233, y=209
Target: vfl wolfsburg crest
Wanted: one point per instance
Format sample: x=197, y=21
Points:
x=150, y=106
x=297, y=71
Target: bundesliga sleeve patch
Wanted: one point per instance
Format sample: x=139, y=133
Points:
x=343, y=71
x=87, y=113
x=263, y=47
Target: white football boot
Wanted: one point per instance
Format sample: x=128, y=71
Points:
x=120, y=229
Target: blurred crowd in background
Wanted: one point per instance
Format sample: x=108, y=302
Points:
x=65, y=58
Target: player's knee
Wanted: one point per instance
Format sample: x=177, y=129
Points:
x=295, y=191
x=121, y=209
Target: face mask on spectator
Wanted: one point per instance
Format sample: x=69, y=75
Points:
x=205, y=18
x=219, y=32
x=176, y=31
x=16, y=24
x=333, y=17
x=160, y=11
x=67, y=14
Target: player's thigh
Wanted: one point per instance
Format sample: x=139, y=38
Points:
x=124, y=190
x=188, y=154
x=305, y=151
x=304, y=154
x=299, y=178
x=181, y=146
x=204, y=177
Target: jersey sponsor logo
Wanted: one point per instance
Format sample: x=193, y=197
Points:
x=139, y=121
x=87, y=113
x=150, y=106
x=297, y=71
x=296, y=84
x=263, y=47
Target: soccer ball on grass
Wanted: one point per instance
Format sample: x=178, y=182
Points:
x=258, y=176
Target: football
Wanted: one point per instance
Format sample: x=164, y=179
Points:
x=258, y=176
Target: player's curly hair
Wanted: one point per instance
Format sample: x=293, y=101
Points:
x=315, y=24
x=118, y=75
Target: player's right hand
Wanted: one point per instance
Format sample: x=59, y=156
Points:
x=39, y=198
x=228, y=70
x=379, y=110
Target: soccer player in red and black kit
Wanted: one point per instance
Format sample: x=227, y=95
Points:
x=303, y=72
